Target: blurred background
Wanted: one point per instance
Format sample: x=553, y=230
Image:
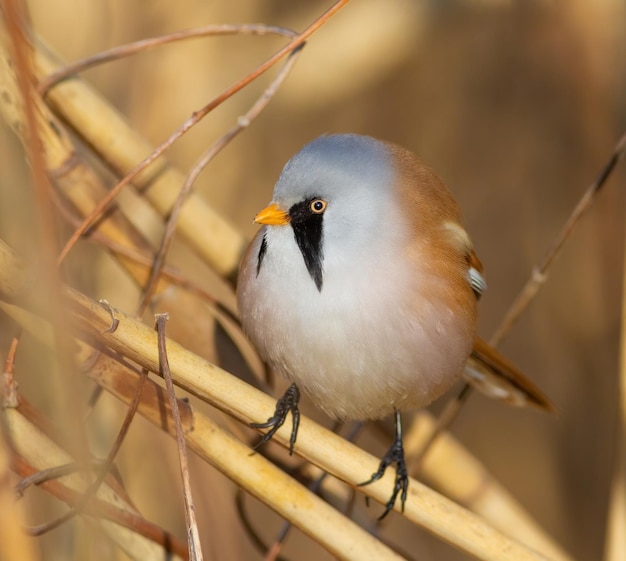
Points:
x=517, y=106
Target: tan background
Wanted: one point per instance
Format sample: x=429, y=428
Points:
x=517, y=105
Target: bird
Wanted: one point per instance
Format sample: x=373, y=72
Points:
x=361, y=288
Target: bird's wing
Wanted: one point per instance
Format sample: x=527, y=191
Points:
x=495, y=376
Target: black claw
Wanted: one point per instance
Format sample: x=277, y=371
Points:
x=394, y=454
x=288, y=402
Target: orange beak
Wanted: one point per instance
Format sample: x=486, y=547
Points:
x=273, y=215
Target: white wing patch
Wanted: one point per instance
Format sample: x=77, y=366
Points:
x=461, y=239
x=477, y=281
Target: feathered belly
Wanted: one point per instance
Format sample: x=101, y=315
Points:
x=355, y=349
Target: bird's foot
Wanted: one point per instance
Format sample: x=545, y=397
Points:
x=288, y=402
x=401, y=486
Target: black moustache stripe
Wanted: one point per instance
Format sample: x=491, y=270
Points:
x=307, y=229
x=262, y=251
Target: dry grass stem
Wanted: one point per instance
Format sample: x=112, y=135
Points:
x=75, y=180
x=223, y=260
x=81, y=186
x=21, y=55
x=615, y=547
x=42, y=453
x=539, y=273
x=204, y=160
x=193, y=535
x=523, y=300
x=477, y=490
x=331, y=453
x=130, y=49
x=103, y=470
x=252, y=472
x=14, y=542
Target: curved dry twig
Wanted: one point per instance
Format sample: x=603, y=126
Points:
x=196, y=117
x=102, y=472
x=129, y=49
x=253, y=535
x=196, y=170
x=538, y=275
x=193, y=535
x=531, y=288
x=105, y=510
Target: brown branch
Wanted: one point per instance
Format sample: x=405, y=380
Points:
x=129, y=49
x=193, y=534
x=8, y=385
x=49, y=474
x=104, y=510
x=196, y=117
x=211, y=152
x=103, y=471
x=259, y=477
x=539, y=273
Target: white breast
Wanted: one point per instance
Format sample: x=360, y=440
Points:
x=365, y=345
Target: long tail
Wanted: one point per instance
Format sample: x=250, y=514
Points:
x=495, y=376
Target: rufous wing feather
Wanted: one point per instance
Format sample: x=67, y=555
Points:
x=492, y=374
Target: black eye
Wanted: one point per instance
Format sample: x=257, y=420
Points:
x=318, y=206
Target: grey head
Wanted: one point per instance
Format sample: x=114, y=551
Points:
x=337, y=192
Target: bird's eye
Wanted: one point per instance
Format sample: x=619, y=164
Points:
x=318, y=206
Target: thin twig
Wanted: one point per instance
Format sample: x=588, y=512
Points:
x=253, y=535
x=444, y=420
x=106, y=466
x=129, y=49
x=17, y=19
x=203, y=161
x=56, y=472
x=315, y=486
x=531, y=288
x=193, y=535
x=8, y=385
x=196, y=117
x=8, y=392
x=105, y=510
x=342, y=459
x=147, y=259
x=614, y=542
x=539, y=273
